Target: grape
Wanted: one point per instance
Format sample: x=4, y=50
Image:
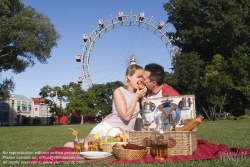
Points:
x=101, y=143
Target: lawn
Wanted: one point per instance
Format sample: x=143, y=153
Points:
x=234, y=133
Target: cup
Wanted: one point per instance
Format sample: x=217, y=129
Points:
x=82, y=146
x=77, y=148
x=160, y=149
x=93, y=146
x=148, y=107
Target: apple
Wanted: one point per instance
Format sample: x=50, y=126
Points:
x=141, y=86
x=119, y=138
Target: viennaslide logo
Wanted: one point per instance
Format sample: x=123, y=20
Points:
x=233, y=156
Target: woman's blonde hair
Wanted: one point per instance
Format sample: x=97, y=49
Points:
x=131, y=70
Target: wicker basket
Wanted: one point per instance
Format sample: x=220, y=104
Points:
x=185, y=140
x=121, y=153
x=107, y=146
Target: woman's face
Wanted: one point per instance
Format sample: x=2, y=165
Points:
x=134, y=80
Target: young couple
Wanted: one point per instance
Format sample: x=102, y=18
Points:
x=126, y=107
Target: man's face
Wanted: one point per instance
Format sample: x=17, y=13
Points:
x=146, y=80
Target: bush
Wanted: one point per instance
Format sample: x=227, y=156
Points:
x=231, y=117
x=223, y=118
x=74, y=119
x=25, y=121
x=244, y=117
x=52, y=119
x=36, y=121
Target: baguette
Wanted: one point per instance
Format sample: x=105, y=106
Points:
x=133, y=147
x=191, y=124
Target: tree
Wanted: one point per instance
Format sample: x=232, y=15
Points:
x=6, y=87
x=79, y=100
x=211, y=27
x=218, y=33
x=25, y=36
x=187, y=71
x=104, y=95
x=216, y=87
x=73, y=95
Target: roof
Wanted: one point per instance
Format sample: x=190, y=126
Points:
x=36, y=100
x=20, y=97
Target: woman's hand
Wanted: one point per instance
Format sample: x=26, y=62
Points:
x=141, y=93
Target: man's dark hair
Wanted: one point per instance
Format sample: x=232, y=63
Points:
x=156, y=72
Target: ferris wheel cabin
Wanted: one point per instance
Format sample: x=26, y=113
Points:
x=160, y=25
x=141, y=16
x=120, y=14
x=79, y=80
x=78, y=58
x=101, y=23
x=85, y=37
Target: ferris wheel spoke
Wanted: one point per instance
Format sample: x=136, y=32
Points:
x=120, y=39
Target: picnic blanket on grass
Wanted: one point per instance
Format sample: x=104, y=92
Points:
x=205, y=150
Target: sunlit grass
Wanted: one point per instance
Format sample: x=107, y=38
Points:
x=233, y=133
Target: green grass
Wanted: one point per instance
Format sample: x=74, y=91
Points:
x=234, y=133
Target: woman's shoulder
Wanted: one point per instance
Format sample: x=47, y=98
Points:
x=120, y=90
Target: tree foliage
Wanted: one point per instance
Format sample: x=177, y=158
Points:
x=187, y=71
x=26, y=36
x=97, y=99
x=6, y=87
x=104, y=95
x=214, y=60
x=211, y=27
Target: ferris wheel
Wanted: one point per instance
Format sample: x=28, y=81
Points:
x=128, y=43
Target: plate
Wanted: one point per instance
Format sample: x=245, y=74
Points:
x=94, y=153
x=97, y=157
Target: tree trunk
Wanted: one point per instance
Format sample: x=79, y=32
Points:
x=204, y=110
x=82, y=119
x=246, y=107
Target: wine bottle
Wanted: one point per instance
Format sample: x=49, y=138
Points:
x=171, y=125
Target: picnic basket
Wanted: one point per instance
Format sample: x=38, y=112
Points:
x=107, y=146
x=129, y=154
x=185, y=140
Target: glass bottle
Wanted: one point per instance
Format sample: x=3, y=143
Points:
x=145, y=122
x=171, y=125
x=159, y=130
x=160, y=147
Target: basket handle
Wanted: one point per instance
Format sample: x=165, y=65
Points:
x=124, y=134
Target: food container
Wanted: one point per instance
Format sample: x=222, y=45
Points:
x=107, y=146
x=185, y=140
x=186, y=103
x=129, y=154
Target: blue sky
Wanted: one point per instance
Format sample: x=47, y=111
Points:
x=72, y=19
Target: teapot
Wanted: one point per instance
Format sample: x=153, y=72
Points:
x=148, y=107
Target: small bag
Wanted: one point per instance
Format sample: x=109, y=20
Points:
x=107, y=146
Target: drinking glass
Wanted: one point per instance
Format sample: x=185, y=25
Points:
x=93, y=146
x=77, y=148
x=82, y=146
